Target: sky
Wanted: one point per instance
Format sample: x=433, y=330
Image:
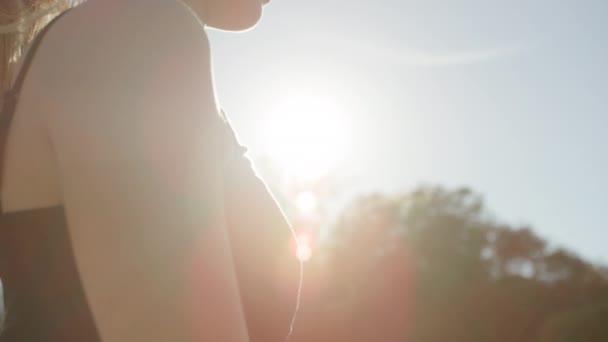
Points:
x=509, y=98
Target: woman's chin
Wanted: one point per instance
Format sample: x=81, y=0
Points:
x=241, y=22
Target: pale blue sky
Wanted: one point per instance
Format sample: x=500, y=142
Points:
x=509, y=98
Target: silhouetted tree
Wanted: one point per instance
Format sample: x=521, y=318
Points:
x=588, y=324
x=431, y=265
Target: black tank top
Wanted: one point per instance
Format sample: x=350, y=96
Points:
x=43, y=296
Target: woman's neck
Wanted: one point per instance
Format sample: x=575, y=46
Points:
x=198, y=8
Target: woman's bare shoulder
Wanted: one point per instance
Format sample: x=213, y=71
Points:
x=105, y=30
x=110, y=15
x=105, y=50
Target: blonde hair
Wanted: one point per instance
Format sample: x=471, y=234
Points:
x=20, y=21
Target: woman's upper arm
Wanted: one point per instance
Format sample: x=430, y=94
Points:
x=134, y=128
x=261, y=237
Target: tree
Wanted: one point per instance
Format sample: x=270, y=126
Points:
x=587, y=324
x=430, y=265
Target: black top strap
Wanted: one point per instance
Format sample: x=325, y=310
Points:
x=11, y=96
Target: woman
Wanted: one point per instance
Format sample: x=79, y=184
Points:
x=129, y=211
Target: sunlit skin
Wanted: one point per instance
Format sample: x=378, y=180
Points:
x=123, y=95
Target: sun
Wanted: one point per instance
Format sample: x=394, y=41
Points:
x=306, y=135
x=306, y=202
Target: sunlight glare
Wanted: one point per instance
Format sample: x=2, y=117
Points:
x=306, y=202
x=306, y=136
x=304, y=247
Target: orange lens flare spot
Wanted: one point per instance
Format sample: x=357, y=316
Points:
x=303, y=247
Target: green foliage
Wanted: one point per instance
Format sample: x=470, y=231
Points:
x=587, y=324
x=431, y=265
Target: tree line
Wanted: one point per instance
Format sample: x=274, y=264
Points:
x=432, y=265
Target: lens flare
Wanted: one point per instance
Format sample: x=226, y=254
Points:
x=303, y=247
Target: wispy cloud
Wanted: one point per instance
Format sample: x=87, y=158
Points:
x=367, y=49
x=423, y=58
x=404, y=55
